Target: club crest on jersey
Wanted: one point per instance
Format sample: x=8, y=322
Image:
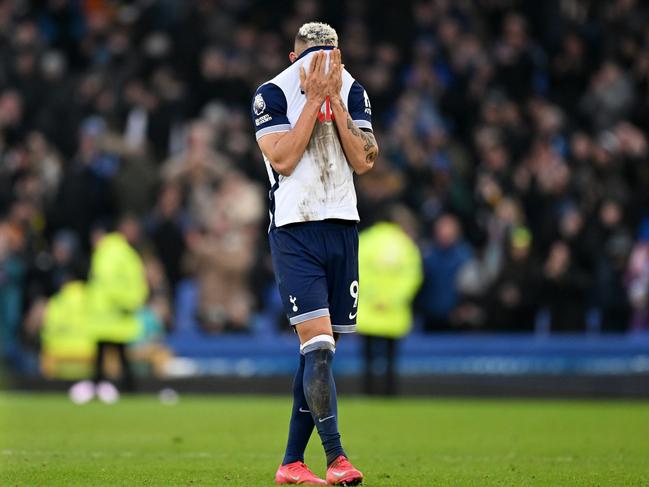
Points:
x=259, y=105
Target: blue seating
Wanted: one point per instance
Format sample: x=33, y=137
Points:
x=275, y=354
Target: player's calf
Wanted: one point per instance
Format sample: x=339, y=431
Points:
x=320, y=392
x=301, y=425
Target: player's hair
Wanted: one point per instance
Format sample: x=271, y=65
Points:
x=317, y=34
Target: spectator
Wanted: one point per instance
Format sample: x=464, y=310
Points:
x=609, y=97
x=12, y=272
x=610, y=296
x=512, y=299
x=564, y=288
x=55, y=268
x=45, y=164
x=638, y=280
x=516, y=61
x=85, y=193
x=166, y=227
x=197, y=170
x=221, y=256
x=439, y=296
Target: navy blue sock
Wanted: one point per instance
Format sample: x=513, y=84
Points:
x=301, y=425
x=320, y=393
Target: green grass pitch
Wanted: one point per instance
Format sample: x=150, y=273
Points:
x=235, y=441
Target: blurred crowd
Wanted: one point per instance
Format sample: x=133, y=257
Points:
x=512, y=134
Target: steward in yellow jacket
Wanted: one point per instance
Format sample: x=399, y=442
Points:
x=83, y=319
x=390, y=271
x=67, y=337
x=117, y=289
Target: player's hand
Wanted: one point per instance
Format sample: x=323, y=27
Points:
x=315, y=84
x=335, y=75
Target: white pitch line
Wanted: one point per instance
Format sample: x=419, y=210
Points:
x=98, y=454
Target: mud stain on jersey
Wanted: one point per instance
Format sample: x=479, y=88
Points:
x=327, y=154
x=307, y=212
x=323, y=148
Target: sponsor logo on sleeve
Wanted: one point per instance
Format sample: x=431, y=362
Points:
x=263, y=119
x=368, y=107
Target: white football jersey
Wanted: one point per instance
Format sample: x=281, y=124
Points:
x=322, y=184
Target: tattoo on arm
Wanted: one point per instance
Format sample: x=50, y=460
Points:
x=370, y=142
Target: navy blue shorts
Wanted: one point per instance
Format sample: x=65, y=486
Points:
x=316, y=267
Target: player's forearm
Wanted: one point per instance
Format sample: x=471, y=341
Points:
x=360, y=147
x=287, y=151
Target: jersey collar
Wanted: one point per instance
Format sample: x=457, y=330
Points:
x=313, y=49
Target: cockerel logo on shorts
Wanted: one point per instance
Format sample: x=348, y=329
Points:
x=292, y=299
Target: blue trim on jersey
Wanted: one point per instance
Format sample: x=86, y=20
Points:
x=269, y=110
x=359, y=107
x=271, y=198
x=313, y=49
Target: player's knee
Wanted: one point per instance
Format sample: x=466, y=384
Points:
x=312, y=328
x=318, y=342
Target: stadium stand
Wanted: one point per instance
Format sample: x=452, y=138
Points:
x=519, y=151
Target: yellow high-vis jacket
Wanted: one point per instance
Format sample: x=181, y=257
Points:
x=390, y=271
x=66, y=328
x=117, y=288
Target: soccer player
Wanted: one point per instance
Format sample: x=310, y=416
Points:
x=313, y=125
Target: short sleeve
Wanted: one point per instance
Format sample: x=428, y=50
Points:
x=358, y=104
x=269, y=110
